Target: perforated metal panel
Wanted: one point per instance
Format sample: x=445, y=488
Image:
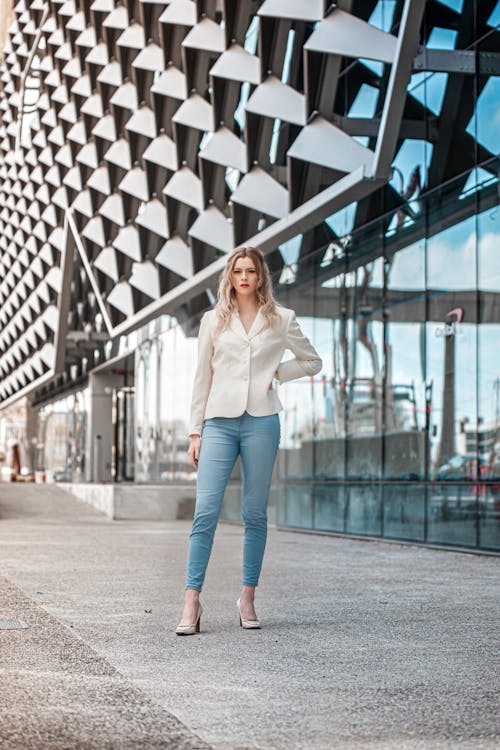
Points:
x=141, y=141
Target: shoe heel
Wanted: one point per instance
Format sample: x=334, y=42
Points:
x=247, y=624
x=191, y=629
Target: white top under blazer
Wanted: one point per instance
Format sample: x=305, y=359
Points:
x=235, y=368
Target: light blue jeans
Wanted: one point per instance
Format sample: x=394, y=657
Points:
x=256, y=440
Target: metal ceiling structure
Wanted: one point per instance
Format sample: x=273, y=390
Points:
x=141, y=140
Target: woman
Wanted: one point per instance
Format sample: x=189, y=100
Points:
x=234, y=411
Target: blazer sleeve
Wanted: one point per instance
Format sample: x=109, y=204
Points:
x=202, y=378
x=306, y=360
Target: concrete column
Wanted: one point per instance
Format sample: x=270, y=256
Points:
x=100, y=426
x=31, y=435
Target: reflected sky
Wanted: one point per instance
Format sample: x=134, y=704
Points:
x=485, y=123
x=494, y=19
x=417, y=348
x=453, y=4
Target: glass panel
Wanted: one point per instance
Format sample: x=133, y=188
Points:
x=404, y=394
x=452, y=514
x=298, y=418
x=404, y=511
x=280, y=496
x=451, y=351
x=298, y=509
x=330, y=340
x=494, y=19
x=329, y=507
x=488, y=428
x=489, y=516
x=181, y=370
x=297, y=433
x=168, y=426
x=365, y=347
x=164, y=371
x=62, y=436
x=483, y=126
x=329, y=402
x=363, y=510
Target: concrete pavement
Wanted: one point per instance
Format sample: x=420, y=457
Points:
x=365, y=644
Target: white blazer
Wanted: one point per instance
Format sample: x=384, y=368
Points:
x=235, y=369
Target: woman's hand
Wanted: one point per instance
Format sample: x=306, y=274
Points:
x=194, y=450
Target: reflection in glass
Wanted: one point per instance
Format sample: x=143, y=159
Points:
x=62, y=438
x=364, y=344
x=451, y=343
x=488, y=427
x=404, y=394
x=489, y=516
x=298, y=508
x=329, y=507
x=484, y=124
x=363, y=509
x=164, y=372
x=404, y=511
x=451, y=514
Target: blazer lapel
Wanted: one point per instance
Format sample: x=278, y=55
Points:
x=257, y=325
x=238, y=327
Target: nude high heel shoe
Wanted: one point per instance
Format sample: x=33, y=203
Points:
x=190, y=629
x=247, y=624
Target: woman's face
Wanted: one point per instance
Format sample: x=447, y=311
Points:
x=244, y=277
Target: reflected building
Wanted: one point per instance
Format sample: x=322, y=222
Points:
x=358, y=145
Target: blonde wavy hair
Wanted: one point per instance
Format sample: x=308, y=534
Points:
x=226, y=295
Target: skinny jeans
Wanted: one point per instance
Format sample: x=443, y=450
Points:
x=256, y=440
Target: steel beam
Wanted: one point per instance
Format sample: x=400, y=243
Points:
x=396, y=90
x=352, y=187
x=414, y=129
x=64, y=300
x=24, y=75
x=457, y=61
x=88, y=269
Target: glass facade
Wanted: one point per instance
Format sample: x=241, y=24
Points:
x=62, y=438
x=165, y=362
x=399, y=435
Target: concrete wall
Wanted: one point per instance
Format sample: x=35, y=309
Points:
x=100, y=426
x=122, y=502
